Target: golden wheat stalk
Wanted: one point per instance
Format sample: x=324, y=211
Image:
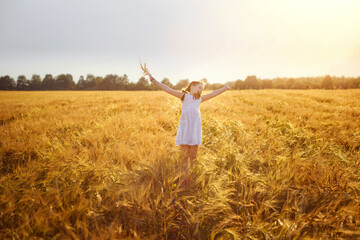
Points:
x=145, y=70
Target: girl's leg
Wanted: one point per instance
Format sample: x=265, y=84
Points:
x=184, y=159
x=193, y=154
x=184, y=154
x=190, y=152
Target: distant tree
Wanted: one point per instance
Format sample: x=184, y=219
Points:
x=64, y=82
x=81, y=84
x=279, y=83
x=22, y=83
x=181, y=84
x=142, y=84
x=357, y=82
x=152, y=87
x=327, y=83
x=315, y=85
x=251, y=82
x=48, y=83
x=35, y=82
x=90, y=82
x=215, y=86
x=290, y=83
x=339, y=83
x=98, y=81
x=7, y=83
x=350, y=82
x=267, y=84
x=167, y=82
x=299, y=84
x=109, y=82
x=239, y=84
x=307, y=85
x=122, y=82
x=131, y=86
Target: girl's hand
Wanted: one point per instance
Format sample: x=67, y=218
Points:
x=146, y=71
x=227, y=86
x=151, y=78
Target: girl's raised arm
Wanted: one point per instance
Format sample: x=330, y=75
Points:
x=166, y=88
x=214, y=93
x=161, y=85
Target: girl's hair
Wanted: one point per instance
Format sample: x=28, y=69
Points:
x=188, y=87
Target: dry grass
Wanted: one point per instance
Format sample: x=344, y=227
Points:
x=275, y=164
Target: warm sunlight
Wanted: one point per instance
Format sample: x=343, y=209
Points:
x=174, y=120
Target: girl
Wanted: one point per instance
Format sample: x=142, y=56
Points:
x=189, y=132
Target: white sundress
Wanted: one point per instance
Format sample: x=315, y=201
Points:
x=190, y=127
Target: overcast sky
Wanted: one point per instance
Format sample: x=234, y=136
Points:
x=194, y=39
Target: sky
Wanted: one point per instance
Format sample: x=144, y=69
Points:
x=189, y=39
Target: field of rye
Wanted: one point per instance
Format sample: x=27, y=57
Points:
x=275, y=164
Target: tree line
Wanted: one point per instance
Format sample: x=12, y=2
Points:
x=116, y=82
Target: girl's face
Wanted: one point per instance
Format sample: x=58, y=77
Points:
x=198, y=88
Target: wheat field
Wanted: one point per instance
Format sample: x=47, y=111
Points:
x=274, y=164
